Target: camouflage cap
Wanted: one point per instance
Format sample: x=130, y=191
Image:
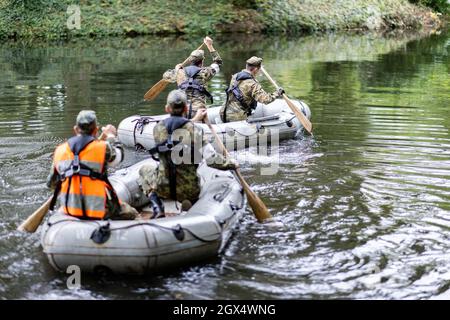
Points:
x=254, y=61
x=86, y=121
x=86, y=117
x=177, y=99
x=197, y=55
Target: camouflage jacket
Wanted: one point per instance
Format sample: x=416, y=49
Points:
x=197, y=99
x=252, y=91
x=187, y=182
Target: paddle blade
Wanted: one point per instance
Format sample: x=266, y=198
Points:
x=33, y=221
x=156, y=89
x=300, y=116
x=258, y=207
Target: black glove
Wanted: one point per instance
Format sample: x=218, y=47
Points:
x=157, y=205
x=280, y=91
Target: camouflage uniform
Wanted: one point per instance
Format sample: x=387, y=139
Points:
x=187, y=181
x=197, y=99
x=252, y=92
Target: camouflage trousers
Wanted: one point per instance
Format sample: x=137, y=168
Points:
x=119, y=211
x=148, y=176
x=154, y=179
x=234, y=113
x=195, y=104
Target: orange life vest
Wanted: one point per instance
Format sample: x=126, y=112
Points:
x=83, y=178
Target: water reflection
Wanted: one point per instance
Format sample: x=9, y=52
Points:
x=364, y=204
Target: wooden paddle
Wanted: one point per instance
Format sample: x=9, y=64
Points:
x=259, y=208
x=34, y=220
x=300, y=116
x=154, y=91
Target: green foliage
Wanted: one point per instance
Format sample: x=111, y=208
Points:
x=32, y=18
x=442, y=6
x=47, y=18
x=319, y=15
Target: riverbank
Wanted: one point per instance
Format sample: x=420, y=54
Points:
x=48, y=19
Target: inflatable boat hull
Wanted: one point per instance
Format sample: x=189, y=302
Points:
x=143, y=246
x=269, y=123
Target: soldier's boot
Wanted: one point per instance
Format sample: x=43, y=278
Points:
x=157, y=205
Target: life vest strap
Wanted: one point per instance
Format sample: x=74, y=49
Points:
x=165, y=148
x=77, y=168
x=192, y=83
x=237, y=93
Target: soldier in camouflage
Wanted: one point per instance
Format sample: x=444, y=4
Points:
x=179, y=181
x=193, y=78
x=244, y=92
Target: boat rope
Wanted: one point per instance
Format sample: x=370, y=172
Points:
x=178, y=230
x=140, y=124
x=234, y=210
x=222, y=195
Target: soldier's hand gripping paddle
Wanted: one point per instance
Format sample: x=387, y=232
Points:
x=300, y=116
x=259, y=208
x=34, y=220
x=154, y=91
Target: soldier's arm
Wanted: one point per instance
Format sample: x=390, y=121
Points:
x=179, y=75
x=170, y=75
x=217, y=60
x=114, y=152
x=52, y=178
x=260, y=95
x=215, y=55
x=216, y=160
x=213, y=158
x=214, y=68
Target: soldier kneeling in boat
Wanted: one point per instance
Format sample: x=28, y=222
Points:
x=193, y=79
x=180, y=147
x=244, y=92
x=79, y=172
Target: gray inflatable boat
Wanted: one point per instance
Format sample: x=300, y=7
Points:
x=271, y=122
x=148, y=245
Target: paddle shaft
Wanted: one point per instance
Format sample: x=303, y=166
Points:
x=186, y=61
x=300, y=116
x=34, y=220
x=154, y=91
x=259, y=208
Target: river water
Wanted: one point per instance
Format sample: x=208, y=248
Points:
x=365, y=203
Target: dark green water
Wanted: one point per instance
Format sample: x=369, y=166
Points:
x=366, y=203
